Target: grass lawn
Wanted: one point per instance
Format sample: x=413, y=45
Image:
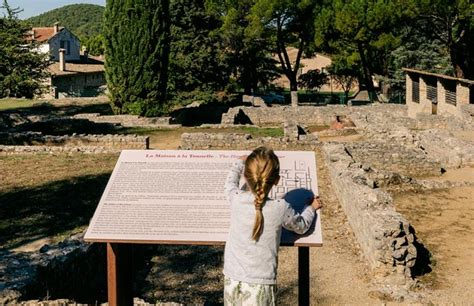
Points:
x=59, y=107
x=49, y=195
x=8, y=104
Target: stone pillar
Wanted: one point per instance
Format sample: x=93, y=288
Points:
x=462, y=94
x=62, y=60
x=294, y=98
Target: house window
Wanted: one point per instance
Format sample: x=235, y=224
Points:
x=415, y=89
x=431, y=89
x=65, y=44
x=450, y=90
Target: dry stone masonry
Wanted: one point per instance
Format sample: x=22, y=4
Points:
x=295, y=137
x=386, y=238
x=35, y=142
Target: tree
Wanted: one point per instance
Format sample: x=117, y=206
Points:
x=291, y=23
x=313, y=79
x=452, y=23
x=136, y=55
x=248, y=52
x=197, y=61
x=345, y=71
x=95, y=45
x=363, y=28
x=22, y=69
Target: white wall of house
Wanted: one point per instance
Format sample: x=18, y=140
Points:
x=44, y=48
x=65, y=39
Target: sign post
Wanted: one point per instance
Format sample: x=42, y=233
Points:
x=176, y=197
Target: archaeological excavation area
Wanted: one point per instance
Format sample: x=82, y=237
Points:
x=397, y=224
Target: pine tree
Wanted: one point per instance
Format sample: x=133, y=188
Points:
x=22, y=69
x=136, y=53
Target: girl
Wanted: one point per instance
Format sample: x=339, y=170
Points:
x=251, y=251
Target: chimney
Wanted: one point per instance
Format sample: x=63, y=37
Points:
x=62, y=60
x=56, y=27
x=86, y=55
x=33, y=34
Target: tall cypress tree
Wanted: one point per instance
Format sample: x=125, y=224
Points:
x=136, y=55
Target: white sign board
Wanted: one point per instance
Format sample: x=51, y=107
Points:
x=176, y=197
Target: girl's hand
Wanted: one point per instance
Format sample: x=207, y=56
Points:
x=317, y=203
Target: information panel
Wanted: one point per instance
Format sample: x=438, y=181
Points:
x=176, y=197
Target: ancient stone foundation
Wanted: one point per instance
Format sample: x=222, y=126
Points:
x=296, y=137
x=127, y=120
x=386, y=238
x=34, y=142
x=225, y=141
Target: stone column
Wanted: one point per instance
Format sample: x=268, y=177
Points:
x=62, y=60
x=294, y=98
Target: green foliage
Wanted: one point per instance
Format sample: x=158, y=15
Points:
x=364, y=29
x=84, y=20
x=95, y=45
x=418, y=51
x=22, y=70
x=197, y=58
x=451, y=22
x=287, y=23
x=345, y=70
x=136, y=53
x=247, y=49
x=313, y=79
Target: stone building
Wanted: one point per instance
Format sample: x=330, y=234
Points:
x=72, y=73
x=51, y=39
x=437, y=94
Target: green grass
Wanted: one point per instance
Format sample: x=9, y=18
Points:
x=9, y=104
x=49, y=196
x=263, y=132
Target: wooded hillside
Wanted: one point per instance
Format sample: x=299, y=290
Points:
x=84, y=20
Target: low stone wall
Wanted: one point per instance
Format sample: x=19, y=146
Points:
x=128, y=120
x=110, y=142
x=309, y=115
x=394, y=157
x=443, y=147
x=386, y=238
x=229, y=141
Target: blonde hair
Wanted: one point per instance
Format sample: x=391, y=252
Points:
x=262, y=171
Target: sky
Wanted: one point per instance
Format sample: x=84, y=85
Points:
x=36, y=7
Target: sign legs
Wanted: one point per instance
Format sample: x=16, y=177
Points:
x=119, y=274
x=303, y=276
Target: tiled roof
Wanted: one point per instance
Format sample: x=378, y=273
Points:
x=44, y=34
x=92, y=65
x=437, y=75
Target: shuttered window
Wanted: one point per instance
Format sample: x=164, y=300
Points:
x=415, y=89
x=450, y=89
x=431, y=89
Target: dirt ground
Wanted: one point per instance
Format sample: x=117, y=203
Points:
x=444, y=221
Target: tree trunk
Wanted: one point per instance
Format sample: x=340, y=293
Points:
x=369, y=84
x=457, y=60
x=294, y=90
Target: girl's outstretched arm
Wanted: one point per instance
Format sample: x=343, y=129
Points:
x=298, y=223
x=231, y=187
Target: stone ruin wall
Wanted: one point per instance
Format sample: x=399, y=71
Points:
x=308, y=115
x=127, y=120
x=226, y=141
x=386, y=238
x=35, y=142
